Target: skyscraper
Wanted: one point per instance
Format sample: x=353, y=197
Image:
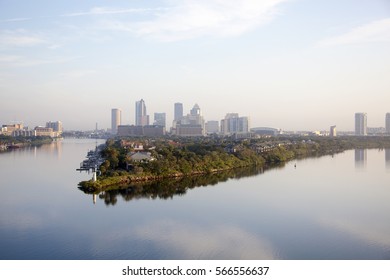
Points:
x=191, y=125
x=116, y=120
x=56, y=126
x=195, y=111
x=333, y=132
x=360, y=124
x=233, y=123
x=388, y=123
x=178, y=111
x=160, y=119
x=141, y=118
x=212, y=127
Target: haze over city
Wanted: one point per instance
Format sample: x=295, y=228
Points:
x=294, y=65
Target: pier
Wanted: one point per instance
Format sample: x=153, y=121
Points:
x=93, y=161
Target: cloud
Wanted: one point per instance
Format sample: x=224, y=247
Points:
x=14, y=20
x=197, y=18
x=110, y=11
x=20, y=38
x=20, y=61
x=374, y=32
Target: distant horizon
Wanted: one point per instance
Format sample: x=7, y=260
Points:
x=297, y=65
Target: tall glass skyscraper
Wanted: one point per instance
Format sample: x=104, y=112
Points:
x=141, y=118
x=160, y=119
x=178, y=111
x=388, y=123
x=360, y=124
x=116, y=120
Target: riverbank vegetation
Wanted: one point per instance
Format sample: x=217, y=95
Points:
x=129, y=160
x=10, y=142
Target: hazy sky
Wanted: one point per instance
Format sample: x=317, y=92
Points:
x=295, y=65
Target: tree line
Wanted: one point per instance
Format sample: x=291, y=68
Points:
x=178, y=157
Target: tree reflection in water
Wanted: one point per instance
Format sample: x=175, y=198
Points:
x=167, y=189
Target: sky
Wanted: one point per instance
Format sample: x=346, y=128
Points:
x=289, y=64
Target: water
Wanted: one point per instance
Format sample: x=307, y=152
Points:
x=325, y=208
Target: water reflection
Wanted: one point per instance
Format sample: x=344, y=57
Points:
x=367, y=231
x=167, y=189
x=53, y=148
x=189, y=241
x=387, y=158
x=360, y=159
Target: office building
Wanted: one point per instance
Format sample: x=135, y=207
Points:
x=234, y=124
x=8, y=129
x=24, y=133
x=388, y=123
x=56, y=126
x=45, y=131
x=212, y=127
x=116, y=120
x=160, y=119
x=138, y=130
x=361, y=124
x=178, y=113
x=191, y=125
x=266, y=131
x=333, y=132
x=195, y=111
x=141, y=118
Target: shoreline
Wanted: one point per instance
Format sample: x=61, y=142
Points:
x=189, y=159
x=122, y=180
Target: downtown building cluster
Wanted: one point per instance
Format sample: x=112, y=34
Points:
x=189, y=125
x=193, y=124
x=52, y=129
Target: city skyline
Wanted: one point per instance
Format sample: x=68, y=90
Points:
x=294, y=65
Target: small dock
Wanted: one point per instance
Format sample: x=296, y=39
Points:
x=93, y=161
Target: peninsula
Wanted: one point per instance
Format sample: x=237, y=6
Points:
x=129, y=160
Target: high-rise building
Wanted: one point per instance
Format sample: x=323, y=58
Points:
x=178, y=111
x=56, y=126
x=116, y=120
x=191, y=125
x=234, y=124
x=141, y=118
x=160, y=119
x=360, y=124
x=388, y=123
x=212, y=127
x=195, y=111
x=333, y=132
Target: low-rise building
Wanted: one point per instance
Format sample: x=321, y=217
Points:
x=44, y=131
x=141, y=157
x=137, y=130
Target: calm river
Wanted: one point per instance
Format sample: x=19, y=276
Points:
x=324, y=208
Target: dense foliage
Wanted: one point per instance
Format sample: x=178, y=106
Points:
x=174, y=157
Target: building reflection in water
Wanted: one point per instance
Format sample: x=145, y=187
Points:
x=387, y=158
x=360, y=158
